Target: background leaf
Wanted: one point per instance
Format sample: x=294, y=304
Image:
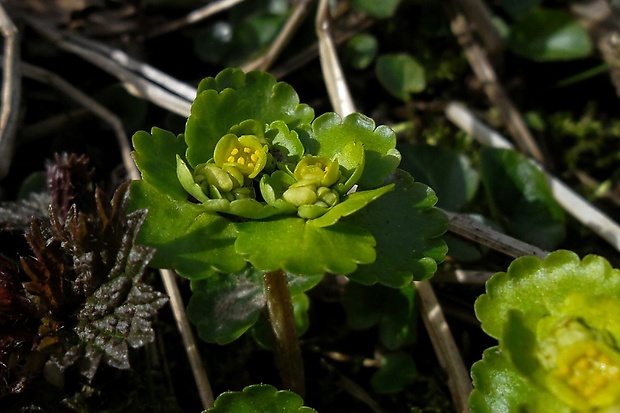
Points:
x=401, y=74
x=449, y=173
x=520, y=198
x=224, y=306
x=394, y=310
x=397, y=371
x=549, y=35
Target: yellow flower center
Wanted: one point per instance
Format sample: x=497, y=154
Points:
x=246, y=156
x=591, y=371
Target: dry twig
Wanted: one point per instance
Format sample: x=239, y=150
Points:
x=11, y=91
x=265, y=61
x=445, y=347
x=487, y=77
x=336, y=84
x=572, y=202
x=193, y=17
x=139, y=79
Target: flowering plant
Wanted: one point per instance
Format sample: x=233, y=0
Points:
x=558, y=347
x=256, y=178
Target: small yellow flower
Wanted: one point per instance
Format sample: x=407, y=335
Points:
x=317, y=170
x=245, y=154
x=587, y=375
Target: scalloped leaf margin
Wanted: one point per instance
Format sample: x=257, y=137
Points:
x=259, y=398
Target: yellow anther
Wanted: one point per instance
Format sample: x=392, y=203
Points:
x=231, y=159
x=241, y=161
x=319, y=165
x=254, y=157
x=251, y=164
x=247, y=150
x=234, y=151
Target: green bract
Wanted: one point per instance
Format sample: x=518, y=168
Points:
x=255, y=178
x=558, y=346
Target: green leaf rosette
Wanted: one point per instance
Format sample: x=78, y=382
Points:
x=557, y=331
x=255, y=178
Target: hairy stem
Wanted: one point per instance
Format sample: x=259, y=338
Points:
x=286, y=341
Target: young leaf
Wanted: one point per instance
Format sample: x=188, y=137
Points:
x=259, y=398
x=255, y=95
x=331, y=133
x=520, y=198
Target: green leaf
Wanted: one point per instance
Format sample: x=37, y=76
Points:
x=549, y=35
x=397, y=371
x=449, y=173
x=498, y=387
x=255, y=95
x=395, y=311
x=361, y=50
x=539, y=287
x=520, y=198
x=409, y=243
x=185, y=236
x=224, y=306
x=259, y=398
x=380, y=9
x=155, y=155
x=294, y=245
x=401, y=75
x=331, y=134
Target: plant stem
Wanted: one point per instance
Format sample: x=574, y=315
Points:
x=286, y=341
